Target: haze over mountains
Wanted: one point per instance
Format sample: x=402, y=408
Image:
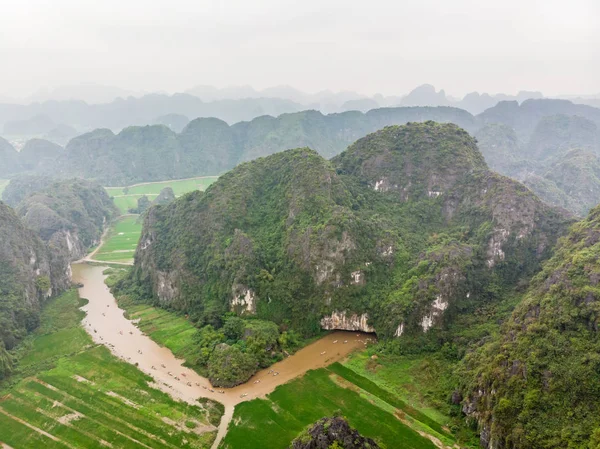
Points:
x=552, y=146
x=61, y=113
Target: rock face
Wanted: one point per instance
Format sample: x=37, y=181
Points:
x=354, y=322
x=68, y=215
x=27, y=278
x=395, y=235
x=326, y=432
x=165, y=196
x=536, y=384
x=20, y=187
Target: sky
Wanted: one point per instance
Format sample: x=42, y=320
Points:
x=374, y=46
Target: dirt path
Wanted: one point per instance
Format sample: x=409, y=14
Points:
x=107, y=325
x=90, y=256
x=160, y=182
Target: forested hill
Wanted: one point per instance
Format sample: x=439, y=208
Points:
x=26, y=280
x=68, y=215
x=537, y=384
x=552, y=146
x=404, y=231
x=208, y=146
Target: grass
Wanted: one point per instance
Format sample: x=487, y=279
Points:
x=272, y=423
x=84, y=397
x=126, y=197
x=121, y=241
x=401, y=376
x=420, y=385
x=168, y=329
x=128, y=202
x=392, y=399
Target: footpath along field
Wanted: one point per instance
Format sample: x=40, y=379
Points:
x=126, y=197
x=121, y=240
x=67, y=392
x=272, y=423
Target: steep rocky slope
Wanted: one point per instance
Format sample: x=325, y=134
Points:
x=20, y=187
x=572, y=181
x=397, y=234
x=68, y=215
x=39, y=153
x=332, y=433
x=537, y=385
x=558, y=162
x=27, y=278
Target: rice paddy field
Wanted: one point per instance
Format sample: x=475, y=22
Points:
x=77, y=395
x=120, y=242
x=272, y=423
x=125, y=198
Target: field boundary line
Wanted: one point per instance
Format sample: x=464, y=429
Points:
x=162, y=182
x=119, y=420
x=35, y=429
x=95, y=421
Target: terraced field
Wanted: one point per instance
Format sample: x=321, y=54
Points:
x=126, y=197
x=77, y=395
x=122, y=239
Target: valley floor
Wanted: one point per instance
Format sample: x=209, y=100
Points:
x=68, y=392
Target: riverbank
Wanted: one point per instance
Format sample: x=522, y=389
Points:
x=107, y=325
x=68, y=392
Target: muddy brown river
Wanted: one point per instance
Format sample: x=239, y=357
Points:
x=107, y=325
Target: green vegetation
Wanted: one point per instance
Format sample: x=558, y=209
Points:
x=126, y=198
x=272, y=423
x=209, y=146
x=407, y=226
x=168, y=329
x=557, y=159
x=333, y=433
x=121, y=241
x=228, y=356
x=536, y=384
x=26, y=273
x=75, y=206
x=274, y=237
x=72, y=393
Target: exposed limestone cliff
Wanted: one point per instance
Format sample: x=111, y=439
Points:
x=28, y=276
x=342, y=321
x=405, y=228
x=332, y=432
x=68, y=215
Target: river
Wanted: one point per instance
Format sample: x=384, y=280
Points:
x=107, y=325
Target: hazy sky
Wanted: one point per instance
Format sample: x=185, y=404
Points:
x=367, y=45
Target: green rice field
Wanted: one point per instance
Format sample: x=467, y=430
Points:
x=121, y=241
x=125, y=198
x=78, y=395
x=295, y=405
